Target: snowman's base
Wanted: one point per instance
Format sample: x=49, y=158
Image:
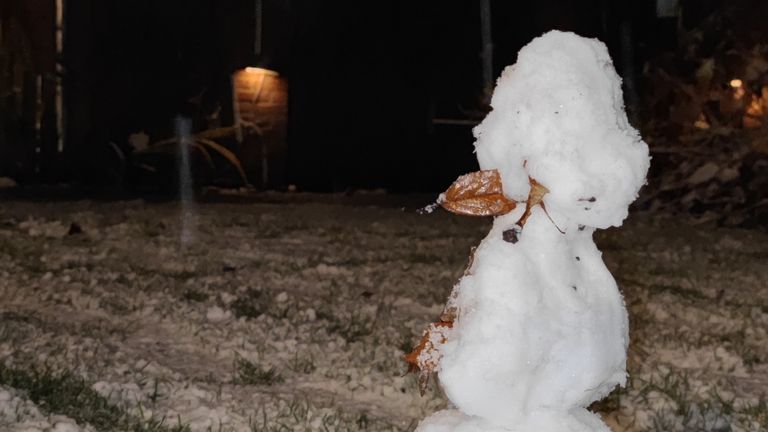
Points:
x=576, y=420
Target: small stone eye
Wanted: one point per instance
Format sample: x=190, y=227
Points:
x=511, y=235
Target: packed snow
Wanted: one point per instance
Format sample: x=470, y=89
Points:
x=559, y=112
x=541, y=330
x=329, y=296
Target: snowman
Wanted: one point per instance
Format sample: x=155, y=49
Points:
x=536, y=329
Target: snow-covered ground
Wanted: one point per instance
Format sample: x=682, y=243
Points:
x=295, y=316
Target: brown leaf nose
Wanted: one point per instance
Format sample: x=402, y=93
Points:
x=481, y=194
x=477, y=194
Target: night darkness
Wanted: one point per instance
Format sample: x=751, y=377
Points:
x=366, y=81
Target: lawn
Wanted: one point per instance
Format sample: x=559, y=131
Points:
x=294, y=316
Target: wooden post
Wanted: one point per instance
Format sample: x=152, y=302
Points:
x=49, y=137
x=82, y=84
x=59, y=71
x=258, y=41
x=29, y=121
x=628, y=72
x=487, y=49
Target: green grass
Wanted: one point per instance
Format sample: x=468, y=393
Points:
x=691, y=409
x=758, y=412
x=251, y=304
x=250, y=373
x=192, y=295
x=26, y=254
x=254, y=303
x=63, y=393
x=302, y=365
x=354, y=327
x=300, y=415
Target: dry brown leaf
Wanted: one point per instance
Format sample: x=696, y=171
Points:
x=426, y=355
x=535, y=197
x=477, y=194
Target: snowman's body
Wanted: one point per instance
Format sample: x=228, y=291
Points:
x=541, y=329
x=541, y=323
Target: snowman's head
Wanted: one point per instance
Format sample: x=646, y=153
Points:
x=558, y=117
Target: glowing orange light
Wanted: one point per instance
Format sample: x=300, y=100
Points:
x=738, y=88
x=701, y=122
x=258, y=70
x=754, y=113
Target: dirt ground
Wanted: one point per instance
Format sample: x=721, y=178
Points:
x=295, y=316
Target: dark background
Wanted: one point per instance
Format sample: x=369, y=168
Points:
x=366, y=79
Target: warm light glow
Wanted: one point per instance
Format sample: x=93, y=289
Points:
x=754, y=113
x=258, y=70
x=755, y=108
x=738, y=88
x=701, y=122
